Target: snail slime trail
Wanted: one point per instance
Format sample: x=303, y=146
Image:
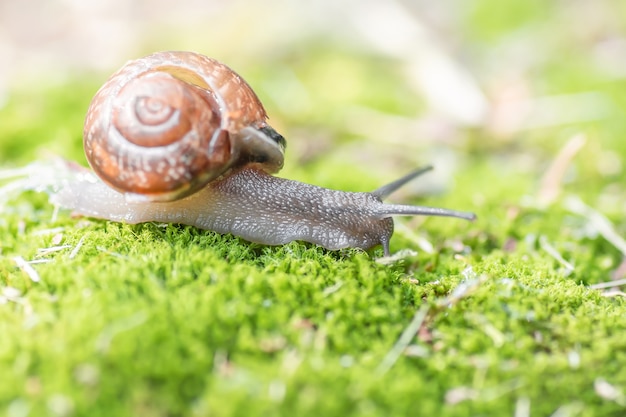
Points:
x=179, y=137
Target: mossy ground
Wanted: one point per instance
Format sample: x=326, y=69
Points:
x=168, y=320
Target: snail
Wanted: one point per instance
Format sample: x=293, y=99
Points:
x=178, y=137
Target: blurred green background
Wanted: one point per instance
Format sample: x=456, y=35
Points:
x=371, y=86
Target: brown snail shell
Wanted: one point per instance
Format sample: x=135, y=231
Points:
x=165, y=125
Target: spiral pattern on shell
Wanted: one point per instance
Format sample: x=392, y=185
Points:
x=165, y=125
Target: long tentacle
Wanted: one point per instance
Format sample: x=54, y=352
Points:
x=388, y=210
x=387, y=189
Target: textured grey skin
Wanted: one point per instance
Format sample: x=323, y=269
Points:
x=255, y=206
x=250, y=204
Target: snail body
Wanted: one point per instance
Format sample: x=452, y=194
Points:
x=212, y=166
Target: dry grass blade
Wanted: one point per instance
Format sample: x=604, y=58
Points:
x=405, y=339
x=461, y=291
x=553, y=178
x=596, y=219
x=26, y=267
x=608, y=284
x=77, y=248
x=551, y=250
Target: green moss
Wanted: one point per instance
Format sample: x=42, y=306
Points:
x=155, y=320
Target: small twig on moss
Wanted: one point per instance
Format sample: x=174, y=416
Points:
x=26, y=267
x=460, y=292
x=39, y=261
x=608, y=284
x=396, y=257
x=596, y=219
x=522, y=407
x=613, y=293
x=52, y=249
x=79, y=245
x=463, y=289
x=45, y=232
x=55, y=214
x=405, y=339
x=551, y=250
x=608, y=391
x=108, y=252
x=10, y=294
